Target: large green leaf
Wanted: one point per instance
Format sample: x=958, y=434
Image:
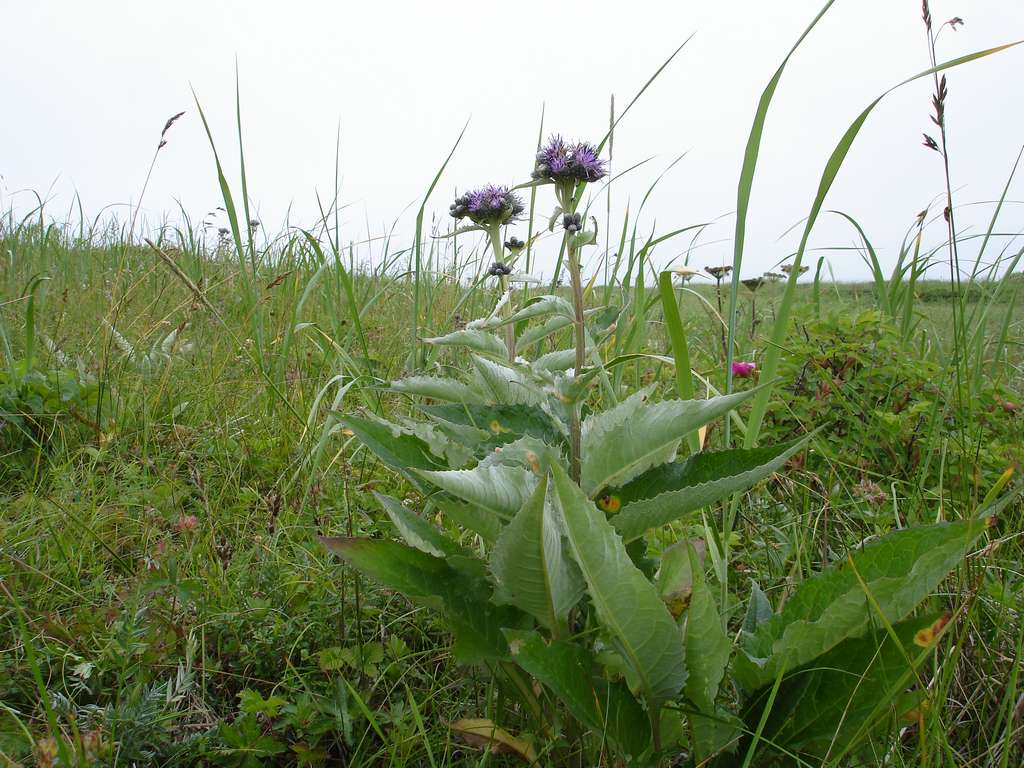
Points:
x=475, y=621
x=501, y=423
x=899, y=571
x=477, y=340
x=641, y=628
x=532, y=570
x=707, y=646
x=559, y=360
x=504, y=385
x=417, y=532
x=607, y=708
x=541, y=306
x=471, y=517
x=536, y=333
x=392, y=445
x=667, y=492
x=437, y=388
x=621, y=443
x=501, y=489
x=823, y=709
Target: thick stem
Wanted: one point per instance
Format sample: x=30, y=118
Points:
x=575, y=427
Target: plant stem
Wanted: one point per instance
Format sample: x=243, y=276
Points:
x=575, y=428
x=494, y=233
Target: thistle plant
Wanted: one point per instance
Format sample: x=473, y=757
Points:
x=569, y=167
x=490, y=208
x=566, y=553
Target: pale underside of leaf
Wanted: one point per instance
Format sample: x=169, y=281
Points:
x=501, y=489
x=626, y=603
x=531, y=566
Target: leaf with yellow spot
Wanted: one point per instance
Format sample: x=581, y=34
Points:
x=927, y=636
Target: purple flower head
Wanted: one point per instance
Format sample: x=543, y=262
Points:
x=743, y=370
x=487, y=205
x=560, y=161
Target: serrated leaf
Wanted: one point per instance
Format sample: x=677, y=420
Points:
x=823, y=709
x=602, y=317
x=528, y=451
x=454, y=452
x=400, y=451
x=621, y=443
x=707, y=646
x=899, y=570
x=475, y=621
x=500, y=489
x=541, y=306
x=437, y=388
x=477, y=340
x=667, y=492
x=559, y=360
x=417, y=532
x=501, y=424
x=481, y=521
x=568, y=670
x=532, y=570
x=641, y=628
x=503, y=385
x=536, y=333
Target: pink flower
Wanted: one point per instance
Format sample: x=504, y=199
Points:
x=742, y=370
x=186, y=523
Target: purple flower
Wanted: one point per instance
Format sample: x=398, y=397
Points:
x=743, y=370
x=487, y=205
x=560, y=161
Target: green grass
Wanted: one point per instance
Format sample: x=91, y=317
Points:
x=150, y=625
x=170, y=451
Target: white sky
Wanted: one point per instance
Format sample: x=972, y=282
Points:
x=87, y=87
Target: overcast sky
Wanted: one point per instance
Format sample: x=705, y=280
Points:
x=88, y=86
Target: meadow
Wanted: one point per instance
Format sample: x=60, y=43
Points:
x=290, y=499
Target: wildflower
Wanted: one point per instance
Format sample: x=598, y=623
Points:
x=686, y=273
x=499, y=269
x=774, y=276
x=871, y=492
x=743, y=370
x=487, y=205
x=718, y=272
x=186, y=523
x=561, y=161
x=788, y=268
x=514, y=244
x=572, y=222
